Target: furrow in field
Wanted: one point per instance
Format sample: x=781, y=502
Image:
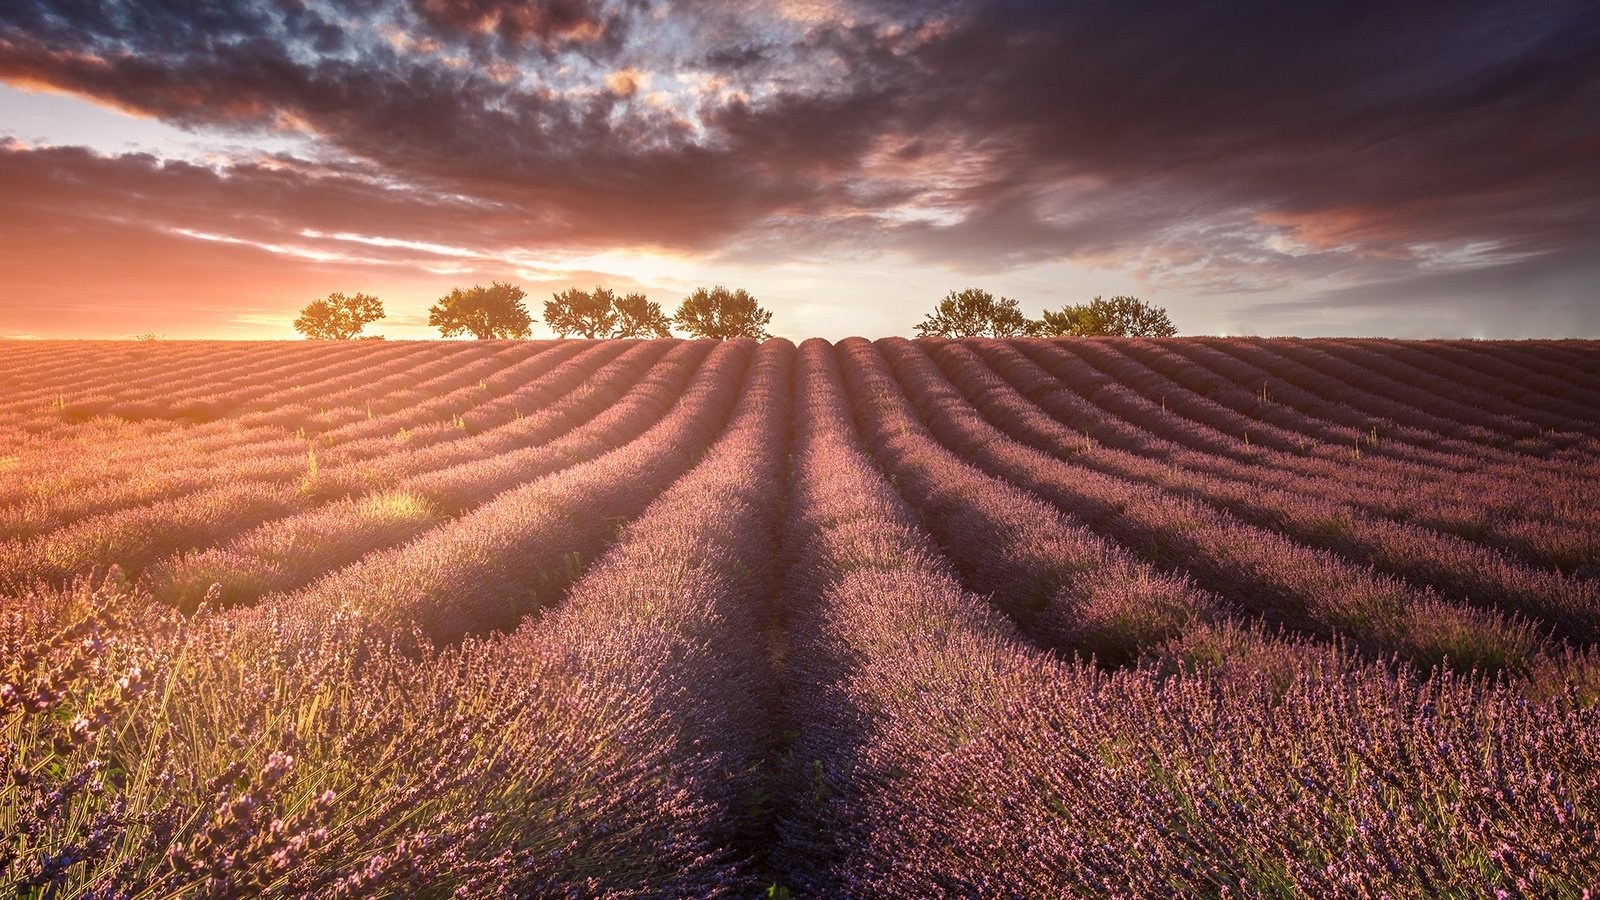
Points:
x=1288, y=375
x=868, y=596
x=310, y=370
x=210, y=393
x=1203, y=414
x=1334, y=429
x=1095, y=372
x=297, y=402
x=213, y=401
x=1284, y=403
x=489, y=568
x=1068, y=588
x=1567, y=362
x=323, y=377
x=1399, y=423
x=1285, y=582
x=662, y=642
x=122, y=396
x=1452, y=566
x=193, y=461
x=1544, y=476
x=29, y=387
x=1196, y=415
x=72, y=368
x=1495, y=378
x=464, y=390
x=1307, y=367
x=945, y=758
x=355, y=401
x=285, y=553
x=1392, y=363
x=1541, y=526
x=135, y=538
x=581, y=755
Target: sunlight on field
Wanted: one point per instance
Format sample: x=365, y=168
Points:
x=399, y=506
x=725, y=618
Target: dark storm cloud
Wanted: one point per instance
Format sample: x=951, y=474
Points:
x=1362, y=124
x=1229, y=147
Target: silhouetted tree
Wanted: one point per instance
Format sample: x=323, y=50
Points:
x=337, y=317
x=974, y=313
x=585, y=313
x=600, y=313
x=484, y=312
x=640, y=317
x=721, y=313
x=1120, y=316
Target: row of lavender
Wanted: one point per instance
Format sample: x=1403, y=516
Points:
x=260, y=473
x=881, y=732
x=261, y=513
x=945, y=754
x=576, y=754
x=1205, y=413
x=1286, y=572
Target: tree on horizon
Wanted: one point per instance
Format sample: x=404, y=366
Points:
x=337, y=317
x=640, y=317
x=1120, y=316
x=974, y=312
x=484, y=312
x=600, y=313
x=720, y=313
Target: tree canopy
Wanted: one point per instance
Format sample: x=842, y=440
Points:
x=484, y=312
x=600, y=313
x=1120, y=316
x=337, y=317
x=721, y=313
x=640, y=317
x=974, y=312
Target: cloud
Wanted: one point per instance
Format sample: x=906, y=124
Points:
x=550, y=23
x=1217, y=149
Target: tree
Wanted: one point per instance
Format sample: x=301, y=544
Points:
x=484, y=312
x=1120, y=316
x=974, y=313
x=721, y=313
x=586, y=313
x=337, y=317
x=640, y=317
x=600, y=313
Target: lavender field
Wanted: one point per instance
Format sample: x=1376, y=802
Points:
x=972, y=618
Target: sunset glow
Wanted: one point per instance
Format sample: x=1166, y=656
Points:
x=1254, y=168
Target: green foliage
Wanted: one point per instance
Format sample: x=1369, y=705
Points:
x=584, y=313
x=722, y=314
x=1120, y=316
x=640, y=317
x=337, y=317
x=600, y=313
x=974, y=312
x=484, y=312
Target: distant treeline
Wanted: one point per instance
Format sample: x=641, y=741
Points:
x=498, y=311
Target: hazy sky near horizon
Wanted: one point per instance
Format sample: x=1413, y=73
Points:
x=1319, y=168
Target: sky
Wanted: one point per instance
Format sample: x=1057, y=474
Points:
x=205, y=169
